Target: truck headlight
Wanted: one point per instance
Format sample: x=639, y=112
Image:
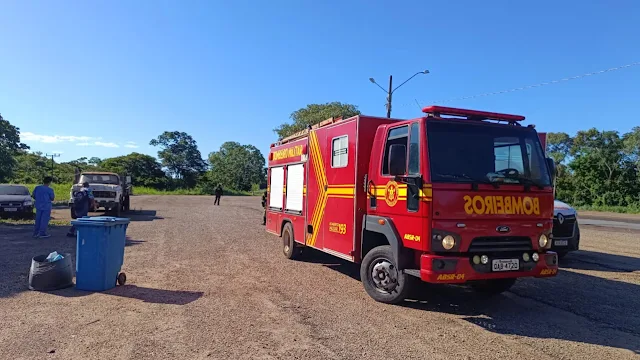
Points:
x=543, y=241
x=448, y=242
x=28, y=203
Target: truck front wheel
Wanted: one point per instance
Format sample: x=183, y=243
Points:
x=493, y=287
x=382, y=279
x=118, y=209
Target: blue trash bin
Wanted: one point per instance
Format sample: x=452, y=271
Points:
x=100, y=252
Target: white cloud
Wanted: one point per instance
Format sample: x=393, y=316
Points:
x=106, y=144
x=131, y=145
x=51, y=139
x=99, y=143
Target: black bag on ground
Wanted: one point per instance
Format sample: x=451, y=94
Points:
x=47, y=276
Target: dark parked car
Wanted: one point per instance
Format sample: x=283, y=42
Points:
x=566, y=233
x=15, y=201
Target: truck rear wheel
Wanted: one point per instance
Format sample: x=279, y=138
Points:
x=290, y=248
x=493, y=287
x=382, y=279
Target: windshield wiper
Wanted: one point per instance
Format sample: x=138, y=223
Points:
x=528, y=181
x=467, y=177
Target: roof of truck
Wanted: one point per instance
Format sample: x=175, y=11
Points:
x=98, y=173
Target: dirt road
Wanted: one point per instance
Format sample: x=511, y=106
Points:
x=207, y=282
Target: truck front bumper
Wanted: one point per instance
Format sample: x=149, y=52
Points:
x=458, y=270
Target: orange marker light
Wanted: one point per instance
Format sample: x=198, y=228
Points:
x=381, y=222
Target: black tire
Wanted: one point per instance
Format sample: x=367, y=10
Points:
x=127, y=204
x=381, y=260
x=118, y=209
x=290, y=248
x=122, y=279
x=73, y=213
x=493, y=287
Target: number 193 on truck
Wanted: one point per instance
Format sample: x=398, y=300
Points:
x=454, y=197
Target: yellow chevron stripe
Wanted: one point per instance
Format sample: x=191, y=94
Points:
x=341, y=191
x=341, y=196
x=321, y=179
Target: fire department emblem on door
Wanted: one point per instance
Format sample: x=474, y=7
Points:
x=391, y=193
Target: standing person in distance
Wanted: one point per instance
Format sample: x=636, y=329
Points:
x=218, y=194
x=264, y=205
x=82, y=201
x=44, y=196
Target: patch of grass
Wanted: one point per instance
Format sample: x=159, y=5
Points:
x=141, y=190
x=613, y=209
x=61, y=192
x=32, y=222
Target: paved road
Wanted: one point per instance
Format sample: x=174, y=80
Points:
x=208, y=282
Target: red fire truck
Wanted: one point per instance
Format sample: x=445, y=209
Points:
x=457, y=196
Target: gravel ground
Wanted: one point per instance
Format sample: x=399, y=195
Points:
x=208, y=282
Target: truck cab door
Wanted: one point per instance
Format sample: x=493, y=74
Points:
x=398, y=183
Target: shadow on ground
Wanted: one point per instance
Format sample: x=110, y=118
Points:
x=131, y=242
x=593, y=260
x=145, y=294
x=18, y=248
x=564, y=307
x=142, y=215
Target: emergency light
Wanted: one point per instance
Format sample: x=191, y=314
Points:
x=471, y=114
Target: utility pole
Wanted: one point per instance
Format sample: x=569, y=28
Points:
x=54, y=155
x=390, y=93
x=392, y=90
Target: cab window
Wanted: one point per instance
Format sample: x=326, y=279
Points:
x=399, y=135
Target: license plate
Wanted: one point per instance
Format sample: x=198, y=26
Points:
x=561, y=242
x=505, y=265
x=10, y=209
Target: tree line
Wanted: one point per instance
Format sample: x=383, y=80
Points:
x=597, y=168
x=179, y=164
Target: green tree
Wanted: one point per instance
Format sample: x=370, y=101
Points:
x=559, y=146
x=95, y=161
x=144, y=170
x=313, y=114
x=180, y=155
x=10, y=145
x=237, y=166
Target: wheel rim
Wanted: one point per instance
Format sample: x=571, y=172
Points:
x=286, y=242
x=384, y=275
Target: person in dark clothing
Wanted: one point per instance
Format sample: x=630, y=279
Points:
x=82, y=201
x=218, y=193
x=264, y=205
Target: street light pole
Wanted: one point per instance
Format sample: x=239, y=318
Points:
x=390, y=93
x=392, y=90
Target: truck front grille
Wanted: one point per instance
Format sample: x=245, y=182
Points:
x=491, y=244
x=565, y=229
x=104, y=194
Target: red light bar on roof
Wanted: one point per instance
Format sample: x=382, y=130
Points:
x=471, y=114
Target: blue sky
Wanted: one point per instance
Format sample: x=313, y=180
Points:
x=104, y=78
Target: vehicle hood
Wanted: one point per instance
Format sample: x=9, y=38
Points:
x=560, y=207
x=14, y=198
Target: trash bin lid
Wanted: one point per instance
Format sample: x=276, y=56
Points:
x=100, y=221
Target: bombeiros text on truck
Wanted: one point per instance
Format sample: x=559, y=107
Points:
x=454, y=197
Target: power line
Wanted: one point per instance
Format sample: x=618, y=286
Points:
x=535, y=85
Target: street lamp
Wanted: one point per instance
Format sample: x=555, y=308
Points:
x=391, y=89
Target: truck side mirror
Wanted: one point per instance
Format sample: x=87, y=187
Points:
x=128, y=180
x=552, y=167
x=397, y=159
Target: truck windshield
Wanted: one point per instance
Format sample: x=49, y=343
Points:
x=99, y=179
x=13, y=190
x=468, y=152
